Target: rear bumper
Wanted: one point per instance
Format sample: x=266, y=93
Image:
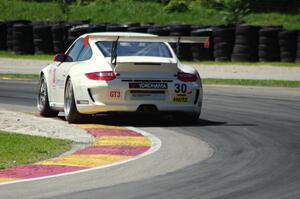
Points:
x=97, y=108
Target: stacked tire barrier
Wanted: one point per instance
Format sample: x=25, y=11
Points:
x=199, y=51
x=116, y=28
x=22, y=42
x=159, y=30
x=141, y=29
x=76, y=31
x=298, y=48
x=223, y=43
x=59, y=35
x=240, y=43
x=288, y=45
x=3, y=36
x=246, y=44
x=9, y=26
x=42, y=39
x=268, y=49
x=184, y=50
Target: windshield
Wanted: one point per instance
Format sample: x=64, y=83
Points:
x=150, y=49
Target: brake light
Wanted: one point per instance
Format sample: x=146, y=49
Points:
x=104, y=75
x=186, y=77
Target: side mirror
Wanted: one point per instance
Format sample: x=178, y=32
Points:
x=60, y=57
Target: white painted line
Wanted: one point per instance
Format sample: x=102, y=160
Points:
x=155, y=146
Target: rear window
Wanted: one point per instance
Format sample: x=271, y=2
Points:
x=149, y=49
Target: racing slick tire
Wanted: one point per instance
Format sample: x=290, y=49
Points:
x=43, y=101
x=71, y=113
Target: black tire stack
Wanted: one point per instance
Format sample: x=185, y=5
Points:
x=159, y=30
x=268, y=49
x=223, y=43
x=116, y=28
x=59, y=35
x=199, y=51
x=9, y=26
x=184, y=51
x=141, y=29
x=246, y=43
x=298, y=48
x=288, y=45
x=76, y=31
x=42, y=39
x=97, y=28
x=3, y=36
x=22, y=39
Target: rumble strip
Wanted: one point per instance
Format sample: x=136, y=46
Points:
x=112, y=146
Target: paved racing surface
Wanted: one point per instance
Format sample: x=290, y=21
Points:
x=255, y=133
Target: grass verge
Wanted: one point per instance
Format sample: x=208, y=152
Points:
x=278, y=64
x=19, y=76
x=7, y=54
x=17, y=149
x=251, y=82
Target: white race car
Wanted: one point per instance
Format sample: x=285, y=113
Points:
x=120, y=72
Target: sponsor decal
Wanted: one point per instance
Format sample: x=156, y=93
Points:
x=149, y=85
x=82, y=102
x=180, y=99
x=54, y=78
x=180, y=88
x=114, y=94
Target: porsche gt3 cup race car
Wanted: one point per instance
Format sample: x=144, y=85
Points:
x=120, y=72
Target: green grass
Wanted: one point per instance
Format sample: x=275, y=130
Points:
x=279, y=64
x=16, y=9
x=19, y=76
x=289, y=21
x=7, y=54
x=124, y=11
x=17, y=149
x=251, y=82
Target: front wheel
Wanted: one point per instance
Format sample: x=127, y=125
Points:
x=43, y=100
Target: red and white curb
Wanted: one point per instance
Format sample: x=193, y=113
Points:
x=112, y=146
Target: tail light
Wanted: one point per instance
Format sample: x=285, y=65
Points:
x=186, y=77
x=104, y=75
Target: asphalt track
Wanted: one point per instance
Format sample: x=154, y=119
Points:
x=255, y=133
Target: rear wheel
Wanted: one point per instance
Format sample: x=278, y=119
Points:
x=71, y=113
x=43, y=101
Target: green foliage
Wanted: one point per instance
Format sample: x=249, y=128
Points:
x=63, y=6
x=156, y=1
x=177, y=6
x=234, y=11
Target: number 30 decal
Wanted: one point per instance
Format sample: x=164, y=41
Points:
x=180, y=88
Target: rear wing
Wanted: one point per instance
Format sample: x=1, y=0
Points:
x=150, y=38
x=146, y=38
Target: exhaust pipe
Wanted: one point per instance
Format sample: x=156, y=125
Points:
x=147, y=108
